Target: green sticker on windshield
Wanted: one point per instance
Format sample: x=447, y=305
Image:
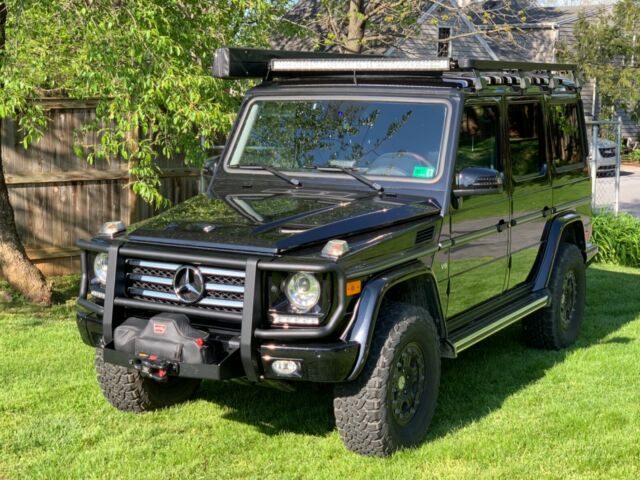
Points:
x=424, y=172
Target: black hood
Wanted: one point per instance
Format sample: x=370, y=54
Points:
x=274, y=221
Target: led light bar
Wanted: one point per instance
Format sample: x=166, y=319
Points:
x=289, y=319
x=236, y=63
x=359, y=65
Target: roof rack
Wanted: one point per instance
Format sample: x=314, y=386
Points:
x=236, y=63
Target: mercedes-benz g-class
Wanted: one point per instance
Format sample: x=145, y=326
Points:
x=368, y=217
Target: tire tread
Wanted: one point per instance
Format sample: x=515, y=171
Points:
x=541, y=329
x=128, y=391
x=358, y=405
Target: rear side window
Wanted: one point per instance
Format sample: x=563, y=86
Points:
x=526, y=139
x=566, y=146
x=478, y=142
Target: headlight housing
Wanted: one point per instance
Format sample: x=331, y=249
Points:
x=303, y=291
x=100, y=265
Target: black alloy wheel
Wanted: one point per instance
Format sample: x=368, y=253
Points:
x=407, y=382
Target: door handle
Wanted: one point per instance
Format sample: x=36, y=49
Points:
x=502, y=226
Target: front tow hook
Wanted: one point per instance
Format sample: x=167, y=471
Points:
x=152, y=367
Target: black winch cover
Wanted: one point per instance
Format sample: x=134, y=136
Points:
x=170, y=336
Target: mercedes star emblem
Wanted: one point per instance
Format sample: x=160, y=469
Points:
x=188, y=284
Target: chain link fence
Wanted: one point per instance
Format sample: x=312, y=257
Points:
x=605, y=148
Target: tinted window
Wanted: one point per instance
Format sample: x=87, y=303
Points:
x=375, y=138
x=525, y=139
x=565, y=135
x=478, y=142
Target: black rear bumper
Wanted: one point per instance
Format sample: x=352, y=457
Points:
x=329, y=362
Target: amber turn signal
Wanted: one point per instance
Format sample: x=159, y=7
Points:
x=354, y=287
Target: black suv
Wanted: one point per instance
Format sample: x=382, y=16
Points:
x=368, y=217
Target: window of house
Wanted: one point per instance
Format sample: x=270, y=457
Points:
x=444, y=50
x=478, y=142
x=526, y=139
x=566, y=146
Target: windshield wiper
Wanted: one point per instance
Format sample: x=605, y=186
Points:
x=350, y=171
x=274, y=171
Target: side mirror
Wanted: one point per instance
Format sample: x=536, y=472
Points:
x=478, y=181
x=208, y=172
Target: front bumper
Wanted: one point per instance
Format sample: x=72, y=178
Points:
x=245, y=327
x=329, y=362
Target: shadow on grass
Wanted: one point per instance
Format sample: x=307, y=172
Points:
x=307, y=411
x=472, y=386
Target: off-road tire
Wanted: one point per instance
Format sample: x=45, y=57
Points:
x=363, y=408
x=129, y=391
x=555, y=327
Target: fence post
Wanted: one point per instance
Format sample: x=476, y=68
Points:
x=594, y=167
x=618, y=161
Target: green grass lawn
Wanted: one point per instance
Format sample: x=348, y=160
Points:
x=505, y=411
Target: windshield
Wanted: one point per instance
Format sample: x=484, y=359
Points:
x=374, y=138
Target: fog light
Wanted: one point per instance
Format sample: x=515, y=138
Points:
x=286, y=368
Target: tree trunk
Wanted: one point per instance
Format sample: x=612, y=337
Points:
x=355, y=32
x=14, y=264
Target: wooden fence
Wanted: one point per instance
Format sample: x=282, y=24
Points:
x=57, y=197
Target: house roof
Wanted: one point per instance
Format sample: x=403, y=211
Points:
x=518, y=13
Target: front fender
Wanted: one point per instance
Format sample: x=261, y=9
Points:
x=368, y=306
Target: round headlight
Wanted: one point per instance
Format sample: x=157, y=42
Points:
x=303, y=291
x=100, y=267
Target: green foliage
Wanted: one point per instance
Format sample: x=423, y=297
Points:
x=373, y=26
x=618, y=238
x=607, y=48
x=148, y=61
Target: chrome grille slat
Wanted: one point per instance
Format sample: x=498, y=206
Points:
x=219, y=302
x=214, y=302
x=152, y=281
x=218, y=287
x=148, y=264
x=154, y=294
x=223, y=272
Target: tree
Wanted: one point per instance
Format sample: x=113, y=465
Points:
x=362, y=26
x=607, y=48
x=14, y=264
x=147, y=61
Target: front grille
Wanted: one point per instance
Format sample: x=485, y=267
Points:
x=152, y=281
x=608, y=152
x=485, y=181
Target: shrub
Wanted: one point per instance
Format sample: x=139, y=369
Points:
x=618, y=239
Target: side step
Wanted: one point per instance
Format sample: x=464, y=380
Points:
x=483, y=328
